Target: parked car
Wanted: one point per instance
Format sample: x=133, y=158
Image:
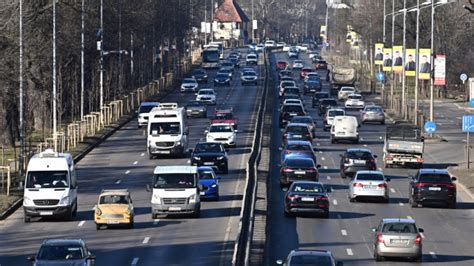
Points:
x=433, y=186
x=369, y=184
x=357, y=159
x=307, y=197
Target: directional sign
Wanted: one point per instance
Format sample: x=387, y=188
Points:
x=471, y=102
x=463, y=77
x=468, y=123
x=430, y=127
x=380, y=76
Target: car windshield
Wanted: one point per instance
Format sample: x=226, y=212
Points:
x=333, y=113
x=57, y=252
x=183, y=180
x=313, y=79
x=298, y=62
x=361, y=155
x=227, y=64
x=167, y=128
x=188, y=81
x=281, y=62
x=194, y=103
x=206, y=92
x=249, y=73
x=297, y=129
x=305, y=120
x=225, y=70
x=199, y=72
x=298, y=147
x=145, y=108
x=206, y=174
x=373, y=109
x=308, y=188
x=299, y=163
x=287, y=83
x=296, y=101
x=223, y=116
x=370, y=177
x=303, y=260
x=221, y=128
x=47, y=179
x=435, y=178
x=319, y=95
x=399, y=228
x=208, y=147
x=354, y=97
x=347, y=89
x=293, y=108
x=329, y=102
x=251, y=56
x=113, y=199
x=292, y=90
x=222, y=76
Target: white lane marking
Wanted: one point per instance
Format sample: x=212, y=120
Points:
x=328, y=177
x=361, y=138
x=188, y=161
x=401, y=204
x=380, y=137
x=136, y=162
x=325, y=167
x=143, y=154
x=334, y=202
x=156, y=221
x=433, y=255
x=317, y=144
x=365, y=145
x=146, y=240
x=344, y=232
x=392, y=190
x=409, y=217
x=81, y=223
x=320, y=152
x=349, y=252
x=322, y=158
x=118, y=182
x=127, y=172
x=135, y=261
x=380, y=169
x=459, y=118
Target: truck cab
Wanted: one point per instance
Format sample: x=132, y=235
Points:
x=50, y=186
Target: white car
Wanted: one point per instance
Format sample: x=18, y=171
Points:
x=369, y=184
x=286, y=48
x=329, y=117
x=281, y=44
x=354, y=101
x=189, y=84
x=270, y=43
x=284, y=84
x=293, y=101
x=251, y=59
x=223, y=133
x=144, y=112
x=259, y=48
x=344, y=92
x=298, y=64
x=207, y=96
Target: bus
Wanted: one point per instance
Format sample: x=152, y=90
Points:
x=210, y=58
x=219, y=46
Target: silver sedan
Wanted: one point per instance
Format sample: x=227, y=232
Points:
x=372, y=113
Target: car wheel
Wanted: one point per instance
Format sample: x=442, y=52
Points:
x=287, y=213
x=382, y=123
x=352, y=199
x=204, y=115
x=26, y=218
x=74, y=213
x=413, y=204
x=225, y=170
x=97, y=226
x=418, y=259
x=333, y=141
x=197, y=213
x=69, y=216
x=343, y=175
x=325, y=215
x=150, y=156
x=154, y=216
x=217, y=197
x=452, y=205
x=386, y=200
x=377, y=257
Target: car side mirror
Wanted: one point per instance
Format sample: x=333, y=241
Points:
x=373, y=229
x=31, y=258
x=218, y=177
x=148, y=188
x=375, y=156
x=91, y=257
x=318, y=166
x=196, y=94
x=454, y=178
x=421, y=230
x=206, y=131
x=279, y=262
x=280, y=148
x=284, y=189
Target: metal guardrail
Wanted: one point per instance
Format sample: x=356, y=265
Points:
x=244, y=237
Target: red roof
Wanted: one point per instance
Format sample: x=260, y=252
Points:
x=230, y=11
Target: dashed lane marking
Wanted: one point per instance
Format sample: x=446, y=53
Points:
x=328, y=177
x=334, y=202
x=344, y=232
x=118, y=182
x=325, y=167
x=127, y=172
x=81, y=223
x=136, y=162
x=322, y=158
x=433, y=255
x=135, y=261
x=156, y=221
x=392, y=190
x=339, y=216
x=143, y=154
x=409, y=217
x=401, y=204
x=146, y=240
x=349, y=252
x=380, y=168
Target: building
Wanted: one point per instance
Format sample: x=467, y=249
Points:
x=230, y=24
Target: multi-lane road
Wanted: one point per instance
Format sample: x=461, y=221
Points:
x=121, y=162
x=347, y=233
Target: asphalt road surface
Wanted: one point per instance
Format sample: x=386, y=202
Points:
x=122, y=162
x=347, y=233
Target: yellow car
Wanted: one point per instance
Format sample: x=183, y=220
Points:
x=114, y=208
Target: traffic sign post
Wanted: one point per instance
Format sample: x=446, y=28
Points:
x=468, y=126
x=430, y=127
x=463, y=77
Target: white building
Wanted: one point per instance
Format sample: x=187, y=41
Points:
x=230, y=24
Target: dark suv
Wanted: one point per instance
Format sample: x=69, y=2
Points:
x=210, y=154
x=433, y=186
x=319, y=96
x=288, y=111
x=354, y=160
x=324, y=105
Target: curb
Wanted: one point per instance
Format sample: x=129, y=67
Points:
x=462, y=186
x=11, y=209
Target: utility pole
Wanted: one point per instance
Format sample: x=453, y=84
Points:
x=326, y=21
x=101, y=100
x=431, y=61
x=131, y=59
x=120, y=48
x=212, y=20
x=205, y=22
x=404, y=96
x=383, y=40
x=392, y=83
x=22, y=137
x=253, y=18
x=82, y=60
x=55, y=136
x=417, y=58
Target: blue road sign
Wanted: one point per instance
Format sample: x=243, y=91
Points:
x=471, y=102
x=380, y=76
x=430, y=127
x=468, y=123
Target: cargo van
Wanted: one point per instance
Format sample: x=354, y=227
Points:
x=175, y=190
x=167, y=132
x=345, y=128
x=50, y=186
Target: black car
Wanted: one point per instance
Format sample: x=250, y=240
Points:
x=297, y=169
x=307, y=197
x=285, y=73
x=317, y=97
x=312, y=85
x=222, y=79
x=288, y=111
x=210, y=154
x=200, y=75
x=433, y=186
x=354, y=160
x=290, y=90
x=325, y=104
x=290, y=96
x=297, y=131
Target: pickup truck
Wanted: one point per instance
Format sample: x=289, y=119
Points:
x=403, y=146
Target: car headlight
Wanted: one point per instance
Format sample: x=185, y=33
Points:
x=197, y=158
x=64, y=201
x=210, y=137
x=220, y=158
x=98, y=211
x=27, y=201
x=157, y=199
x=178, y=143
x=214, y=185
x=192, y=198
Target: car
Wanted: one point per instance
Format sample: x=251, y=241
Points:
x=308, y=120
x=143, y=112
x=297, y=64
x=270, y=43
x=317, y=97
x=290, y=96
x=63, y=252
x=290, y=90
x=260, y=48
x=196, y=109
x=286, y=83
x=297, y=131
x=329, y=117
x=288, y=111
x=307, y=197
x=284, y=73
x=113, y=208
x=321, y=65
x=249, y=77
x=207, y=96
x=297, y=148
x=372, y=113
x=189, y=85
x=242, y=70
x=224, y=116
x=295, y=101
x=280, y=44
x=210, y=154
x=312, y=54
x=344, y=92
x=357, y=159
x=251, y=60
x=396, y=237
x=312, y=85
x=293, y=52
x=200, y=75
x=286, y=48
x=344, y=128
x=223, y=133
x=311, y=75
x=235, y=61
x=354, y=101
x=281, y=65
x=298, y=169
x=369, y=184
x=325, y=104
x=252, y=46
x=227, y=65
x=222, y=79
x=304, y=71
x=227, y=70
x=432, y=186
x=209, y=182
x=310, y=257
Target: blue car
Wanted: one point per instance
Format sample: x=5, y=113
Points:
x=298, y=148
x=209, y=182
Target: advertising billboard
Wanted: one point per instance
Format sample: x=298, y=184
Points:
x=410, y=62
x=387, y=59
x=424, y=66
x=378, y=55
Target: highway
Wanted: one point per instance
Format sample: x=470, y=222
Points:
x=122, y=162
x=347, y=233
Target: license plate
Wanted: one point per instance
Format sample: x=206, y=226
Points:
x=164, y=151
x=208, y=163
x=297, y=136
x=293, y=114
x=112, y=222
x=434, y=188
x=174, y=209
x=370, y=187
x=341, y=133
x=46, y=213
x=359, y=161
x=307, y=199
x=300, y=172
x=202, y=193
x=399, y=241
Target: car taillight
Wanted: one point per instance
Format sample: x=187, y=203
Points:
x=307, y=135
x=421, y=185
x=287, y=152
x=346, y=160
x=311, y=170
x=323, y=198
x=450, y=186
x=383, y=185
x=292, y=197
x=358, y=185
x=418, y=239
x=380, y=238
x=420, y=160
x=287, y=170
x=285, y=135
x=388, y=158
x=372, y=161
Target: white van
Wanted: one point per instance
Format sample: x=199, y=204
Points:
x=143, y=112
x=167, y=130
x=345, y=128
x=50, y=186
x=175, y=190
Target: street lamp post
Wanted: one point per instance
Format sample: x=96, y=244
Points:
x=404, y=109
x=55, y=134
x=383, y=40
x=393, y=42
x=82, y=59
x=101, y=99
x=417, y=58
x=22, y=137
x=431, y=61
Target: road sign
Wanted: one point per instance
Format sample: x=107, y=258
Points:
x=430, y=127
x=471, y=102
x=380, y=76
x=463, y=77
x=468, y=123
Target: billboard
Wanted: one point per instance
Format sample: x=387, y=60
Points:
x=397, y=58
x=410, y=62
x=440, y=70
x=378, y=55
x=424, y=66
x=387, y=59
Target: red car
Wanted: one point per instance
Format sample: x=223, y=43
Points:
x=304, y=71
x=321, y=64
x=281, y=65
x=224, y=116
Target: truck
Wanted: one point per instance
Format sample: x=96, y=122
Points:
x=167, y=131
x=50, y=186
x=404, y=146
x=342, y=76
